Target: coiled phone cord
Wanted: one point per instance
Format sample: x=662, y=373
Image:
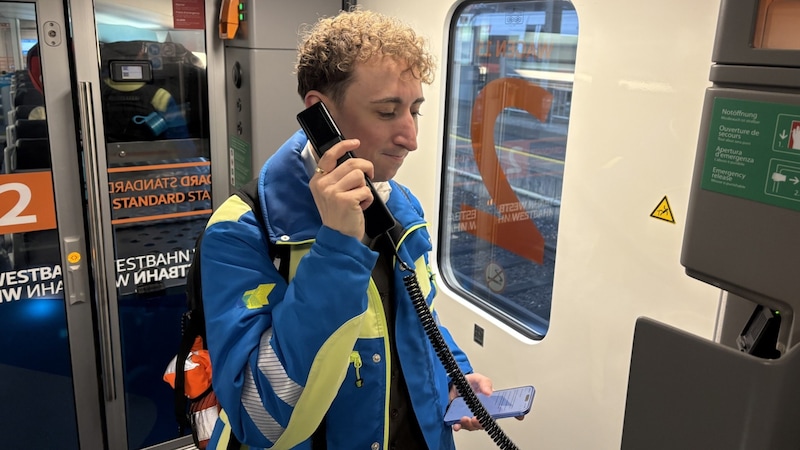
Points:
x=448, y=361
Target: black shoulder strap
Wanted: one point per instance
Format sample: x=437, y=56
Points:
x=192, y=325
x=249, y=194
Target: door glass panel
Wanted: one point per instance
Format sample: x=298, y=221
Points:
x=155, y=118
x=37, y=386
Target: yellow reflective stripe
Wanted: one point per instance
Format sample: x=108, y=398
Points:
x=225, y=436
x=229, y=211
x=374, y=323
x=423, y=274
x=422, y=271
x=296, y=252
x=332, y=358
x=387, y=350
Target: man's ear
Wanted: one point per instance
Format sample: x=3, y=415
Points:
x=312, y=97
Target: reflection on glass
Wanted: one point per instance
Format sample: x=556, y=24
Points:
x=34, y=347
x=155, y=119
x=510, y=89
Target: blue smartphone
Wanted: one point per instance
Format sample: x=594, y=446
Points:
x=502, y=403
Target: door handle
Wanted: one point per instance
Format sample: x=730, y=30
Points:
x=97, y=237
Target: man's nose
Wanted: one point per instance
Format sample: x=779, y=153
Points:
x=406, y=136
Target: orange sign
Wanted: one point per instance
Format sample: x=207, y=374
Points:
x=513, y=230
x=27, y=202
x=159, y=191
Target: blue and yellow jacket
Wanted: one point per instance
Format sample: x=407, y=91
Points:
x=287, y=356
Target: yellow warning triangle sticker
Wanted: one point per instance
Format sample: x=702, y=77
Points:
x=663, y=211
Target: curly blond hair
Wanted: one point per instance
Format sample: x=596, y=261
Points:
x=332, y=48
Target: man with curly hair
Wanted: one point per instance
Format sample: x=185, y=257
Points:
x=336, y=357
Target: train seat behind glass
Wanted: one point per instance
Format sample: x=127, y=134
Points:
x=29, y=83
x=27, y=154
x=27, y=94
x=22, y=112
x=35, y=248
x=28, y=129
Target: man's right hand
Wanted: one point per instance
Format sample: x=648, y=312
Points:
x=341, y=192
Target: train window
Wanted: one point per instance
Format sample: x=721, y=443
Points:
x=509, y=91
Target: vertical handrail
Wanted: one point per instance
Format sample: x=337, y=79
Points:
x=94, y=209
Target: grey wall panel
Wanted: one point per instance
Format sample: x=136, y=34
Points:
x=275, y=24
x=261, y=111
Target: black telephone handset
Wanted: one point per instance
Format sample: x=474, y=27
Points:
x=323, y=133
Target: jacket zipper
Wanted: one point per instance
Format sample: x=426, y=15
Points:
x=355, y=358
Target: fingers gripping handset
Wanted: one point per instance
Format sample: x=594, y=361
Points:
x=323, y=133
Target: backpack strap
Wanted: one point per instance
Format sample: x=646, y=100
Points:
x=249, y=194
x=192, y=325
x=278, y=253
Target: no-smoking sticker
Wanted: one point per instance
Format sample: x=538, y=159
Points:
x=495, y=277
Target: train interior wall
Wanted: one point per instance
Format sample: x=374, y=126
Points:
x=640, y=76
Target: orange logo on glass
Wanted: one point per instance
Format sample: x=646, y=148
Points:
x=26, y=202
x=74, y=258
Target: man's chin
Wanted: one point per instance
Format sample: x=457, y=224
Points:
x=385, y=177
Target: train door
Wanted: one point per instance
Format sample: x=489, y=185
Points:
x=105, y=184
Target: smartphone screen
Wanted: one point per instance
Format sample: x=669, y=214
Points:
x=502, y=403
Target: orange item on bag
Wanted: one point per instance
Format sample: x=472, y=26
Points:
x=197, y=369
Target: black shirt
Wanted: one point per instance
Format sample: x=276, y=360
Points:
x=404, y=430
